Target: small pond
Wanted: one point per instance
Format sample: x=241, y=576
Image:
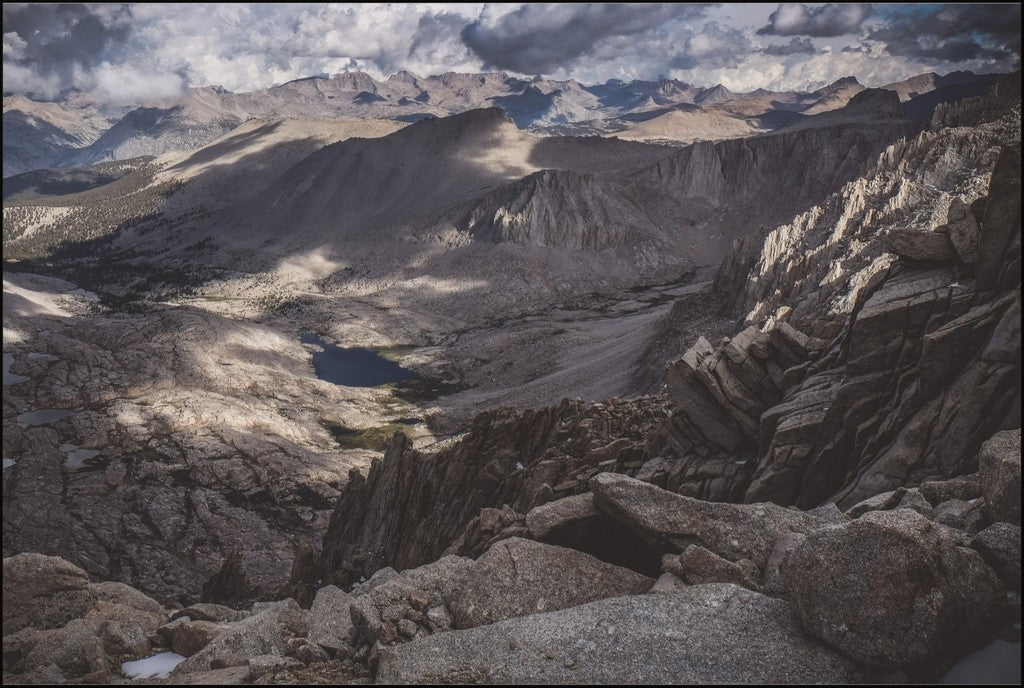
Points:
x=42, y=417
x=353, y=366
x=9, y=377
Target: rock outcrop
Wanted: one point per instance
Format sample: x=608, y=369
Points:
x=892, y=589
x=517, y=577
x=672, y=522
x=519, y=459
x=999, y=462
x=692, y=636
x=907, y=340
x=60, y=625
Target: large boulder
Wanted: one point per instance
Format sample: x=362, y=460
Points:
x=965, y=487
x=926, y=246
x=330, y=622
x=75, y=648
x=43, y=592
x=699, y=565
x=673, y=522
x=444, y=578
x=999, y=465
x=517, y=577
x=715, y=633
x=189, y=637
x=891, y=589
x=999, y=546
x=560, y=514
x=118, y=624
x=257, y=635
x=963, y=230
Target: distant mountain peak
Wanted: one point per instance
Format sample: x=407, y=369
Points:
x=715, y=94
x=403, y=76
x=846, y=81
x=878, y=102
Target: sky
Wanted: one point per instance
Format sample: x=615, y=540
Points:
x=140, y=53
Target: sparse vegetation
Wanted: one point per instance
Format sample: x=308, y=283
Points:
x=375, y=438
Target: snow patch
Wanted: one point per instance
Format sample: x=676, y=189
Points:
x=157, y=666
x=77, y=457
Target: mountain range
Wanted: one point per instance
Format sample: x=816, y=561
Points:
x=76, y=130
x=696, y=386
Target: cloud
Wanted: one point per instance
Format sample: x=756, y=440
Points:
x=954, y=33
x=61, y=43
x=714, y=46
x=833, y=19
x=14, y=46
x=542, y=39
x=796, y=46
x=149, y=52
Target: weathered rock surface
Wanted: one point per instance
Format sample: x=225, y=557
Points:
x=506, y=459
x=257, y=635
x=960, y=514
x=891, y=589
x=43, y=592
x=999, y=462
x=998, y=261
x=54, y=617
x=395, y=607
x=906, y=344
x=392, y=612
x=964, y=487
x=560, y=514
x=672, y=522
x=330, y=621
x=668, y=584
x=925, y=246
x=962, y=228
x=699, y=565
x=999, y=545
x=446, y=578
x=695, y=635
x=190, y=637
x=517, y=577
x=190, y=466
x=205, y=611
x=719, y=396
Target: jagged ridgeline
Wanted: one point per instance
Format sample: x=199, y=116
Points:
x=799, y=444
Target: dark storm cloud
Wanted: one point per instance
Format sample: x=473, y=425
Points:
x=954, y=33
x=834, y=19
x=796, y=46
x=539, y=39
x=434, y=30
x=57, y=39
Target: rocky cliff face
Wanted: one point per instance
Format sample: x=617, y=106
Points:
x=412, y=506
x=874, y=366
x=924, y=358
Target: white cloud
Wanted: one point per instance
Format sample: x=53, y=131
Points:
x=124, y=84
x=167, y=47
x=14, y=47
